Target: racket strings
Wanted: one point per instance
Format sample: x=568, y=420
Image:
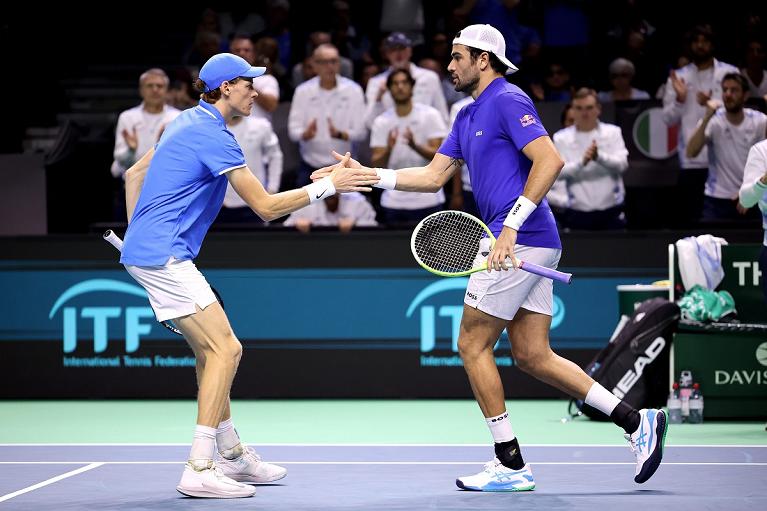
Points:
x=448, y=242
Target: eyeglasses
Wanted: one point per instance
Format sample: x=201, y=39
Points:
x=324, y=62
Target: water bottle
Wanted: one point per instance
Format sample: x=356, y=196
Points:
x=696, y=406
x=674, y=405
x=685, y=390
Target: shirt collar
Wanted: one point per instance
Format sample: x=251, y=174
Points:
x=491, y=89
x=212, y=111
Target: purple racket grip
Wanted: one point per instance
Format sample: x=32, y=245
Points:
x=546, y=272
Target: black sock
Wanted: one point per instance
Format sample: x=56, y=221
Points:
x=626, y=417
x=509, y=454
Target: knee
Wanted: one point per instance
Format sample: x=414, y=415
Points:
x=228, y=350
x=531, y=361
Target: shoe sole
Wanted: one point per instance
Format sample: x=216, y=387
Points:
x=654, y=462
x=469, y=488
x=265, y=481
x=202, y=494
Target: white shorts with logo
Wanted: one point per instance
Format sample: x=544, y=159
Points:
x=503, y=293
x=174, y=288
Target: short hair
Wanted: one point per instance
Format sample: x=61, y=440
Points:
x=214, y=95
x=737, y=77
x=585, y=92
x=390, y=78
x=703, y=30
x=155, y=71
x=621, y=64
x=495, y=62
x=325, y=46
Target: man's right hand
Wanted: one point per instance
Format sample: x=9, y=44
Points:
x=392, y=138
x=591, y=153
x=310, y=131
x=355, y=178
x=679, y=87
x=712, y=105
x=131, y=138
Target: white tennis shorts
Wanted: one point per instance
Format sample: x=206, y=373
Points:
x=502, y=293
x=174, y=288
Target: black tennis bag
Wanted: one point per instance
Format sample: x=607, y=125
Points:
x=634, y=365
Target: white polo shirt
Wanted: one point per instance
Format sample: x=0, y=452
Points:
x=344, y=104
x=148, y=128
x=427, y=91
x=425, y=122
x=262, y=153
x=351, y=206
x=728, y=147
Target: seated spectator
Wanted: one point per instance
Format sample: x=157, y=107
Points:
x=344, y=210
x=326, y=114
x=754, y=71
x=728, y=130
x=595, y=159
x=621, y=74
x=266, y=85
x=264, y=159
x=407, y=135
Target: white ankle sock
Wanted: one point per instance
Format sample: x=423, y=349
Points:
x=203, y=444
x=226, y=436
x=500, y=428
x=602, y=399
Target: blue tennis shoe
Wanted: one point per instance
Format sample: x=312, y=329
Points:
x=497, y=477
x=647, y=442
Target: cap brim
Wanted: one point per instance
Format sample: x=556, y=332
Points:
x=511, y=67
x=254, y=72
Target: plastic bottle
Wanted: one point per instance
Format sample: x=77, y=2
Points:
x=674, y=405
x=696, y=406
x=685, y=390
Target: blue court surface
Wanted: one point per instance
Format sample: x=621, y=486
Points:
x=398, y=477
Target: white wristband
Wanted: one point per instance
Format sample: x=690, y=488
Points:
x=320, y=190
x=388, y=179
x=519, y=212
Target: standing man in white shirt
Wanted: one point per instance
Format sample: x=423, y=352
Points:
x=326, y=114
x=684, y=102
x=728, y=132
x=263, y=157
x=266, y=85
x=407, y=135
x=427, y=91
x=595, y=158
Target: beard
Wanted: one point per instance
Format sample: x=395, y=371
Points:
x=699, y=58
x=733, y=108
x=468, y=86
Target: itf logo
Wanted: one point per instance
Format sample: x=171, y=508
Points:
x=100, y=316
x=428, y=314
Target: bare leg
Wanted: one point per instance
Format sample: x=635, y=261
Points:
x=529, y=334
x=199, y=368
x=479, y=333
x=218, y=354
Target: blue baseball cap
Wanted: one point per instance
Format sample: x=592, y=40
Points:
x=398, y=39
x=226, y=66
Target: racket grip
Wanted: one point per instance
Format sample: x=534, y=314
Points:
x=546, y=272
x=114, y=239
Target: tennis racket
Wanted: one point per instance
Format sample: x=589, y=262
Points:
x=116, y=242
x=446, y=243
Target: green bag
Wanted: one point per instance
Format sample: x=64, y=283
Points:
x=701, y=304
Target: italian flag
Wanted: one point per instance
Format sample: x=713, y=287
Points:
x=653, y=137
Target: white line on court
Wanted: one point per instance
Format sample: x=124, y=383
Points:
x=99, y=463
x=697, y=446
x=52, y=480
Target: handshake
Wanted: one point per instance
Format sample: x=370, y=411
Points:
x=348, y=175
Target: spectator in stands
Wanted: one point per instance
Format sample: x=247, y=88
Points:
x=595, y=159
x=622, y=73
x=398, y=52
x=729, y=132
x=407, y=135
x=266, y=85
x=367, y=72
x=754, y=191
x=462, y=195
x=754, y=71
x=557, y=196
x=343, y=210
x=181, y=95
x=139, y=128
x=314, y=40
x=326, y=114
x=267, y=51
x=264, y=159
x=448, y=88
x=206, y=44
x=556, y=84
x=688, y=89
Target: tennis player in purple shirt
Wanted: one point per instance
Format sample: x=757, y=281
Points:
x=512, y=163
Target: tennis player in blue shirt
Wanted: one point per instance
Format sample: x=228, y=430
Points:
x=173, y=195
x=512, y=163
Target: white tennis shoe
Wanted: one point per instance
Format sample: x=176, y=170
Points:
x=209, y=481
x=497, y=477
x=647, y=442
x=249, y=468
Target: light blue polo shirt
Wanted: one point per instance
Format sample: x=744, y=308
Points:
x=183, y=189
x=489, y=136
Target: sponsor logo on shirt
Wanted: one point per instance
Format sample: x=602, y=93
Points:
x=478, y=134
x=527, y=120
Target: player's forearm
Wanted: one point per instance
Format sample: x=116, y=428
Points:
x=750, y=194
x=698, y=139
x=134, y=181
x=420, y=179
x=280, y=204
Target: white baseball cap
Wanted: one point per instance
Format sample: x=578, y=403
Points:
x=486, y=38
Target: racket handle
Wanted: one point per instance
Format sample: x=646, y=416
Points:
x=114, y=239
x=546, y=272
